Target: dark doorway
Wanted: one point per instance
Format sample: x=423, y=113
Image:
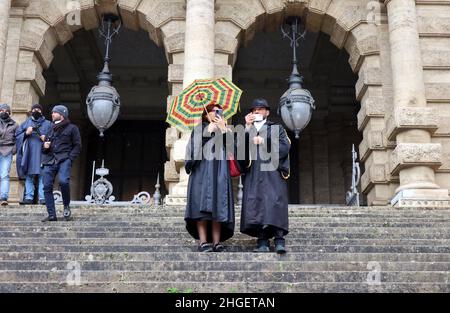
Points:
x=134, y=152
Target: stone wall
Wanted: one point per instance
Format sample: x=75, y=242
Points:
x=392, y=130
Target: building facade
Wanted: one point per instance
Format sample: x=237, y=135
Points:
x=379, y=70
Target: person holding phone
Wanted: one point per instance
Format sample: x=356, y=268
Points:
x=264, y=212
x=209, y=212
x=61, y=147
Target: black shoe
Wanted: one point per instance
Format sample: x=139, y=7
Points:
x=41, y=202
x=3, y=202
x=204, y=247
x=262, y=246
x=49, y=219
x=26, y=202
x=279, y=246
x=218, y=247
x=67, y=213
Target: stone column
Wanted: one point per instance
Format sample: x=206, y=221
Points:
x=415, y=158
x=5, y=6
x=198, y=64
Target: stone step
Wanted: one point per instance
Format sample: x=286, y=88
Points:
x=165, y=224
x=181, y=207
x=292, y=212
x=228, y=287
x=229, y=257
x=294, y=235
x=143, y=247
x=229, y=265
x=181, y=211
x=306, y=219
x=148, y=232
x=217, y=276
x=439, y=232
x=296, y=217
x=146, y=249
x=238, y=239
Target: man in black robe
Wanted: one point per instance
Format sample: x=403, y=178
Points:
x=266, y=168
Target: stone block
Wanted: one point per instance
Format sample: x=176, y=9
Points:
x=411, y=154
x=411, y=118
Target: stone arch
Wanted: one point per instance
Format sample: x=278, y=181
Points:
x=345, y=21
x=47, y=24
x=41, y=25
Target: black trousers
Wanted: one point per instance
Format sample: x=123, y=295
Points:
x=268, y=231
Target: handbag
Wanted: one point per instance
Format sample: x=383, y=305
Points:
x=234, y=167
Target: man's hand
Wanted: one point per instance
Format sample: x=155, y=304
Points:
x=29, y=131
x=258, y=140
x=47, y=144
x=249, y=119
x=42, y=137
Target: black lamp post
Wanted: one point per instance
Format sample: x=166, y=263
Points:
x=296, y=104
x=103, y=101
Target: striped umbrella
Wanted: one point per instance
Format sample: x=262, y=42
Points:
x=186, y=109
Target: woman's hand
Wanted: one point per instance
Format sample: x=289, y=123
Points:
x=212, y=127
x=221, y=124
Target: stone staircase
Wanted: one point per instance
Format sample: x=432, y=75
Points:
x=145, y=249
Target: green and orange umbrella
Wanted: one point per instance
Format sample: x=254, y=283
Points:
x=187, y=108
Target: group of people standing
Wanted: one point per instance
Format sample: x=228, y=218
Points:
x=209, y=212
x=44, y=149
x=48, y=148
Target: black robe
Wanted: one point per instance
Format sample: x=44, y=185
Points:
x=210, y=193
x=265, y=200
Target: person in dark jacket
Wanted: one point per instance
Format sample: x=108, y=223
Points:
x=29, y=140
x=265, y=195
x=209, y=212
x=60, y=149
x=8, y=129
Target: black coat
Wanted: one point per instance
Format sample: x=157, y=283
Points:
x=265, y=200
x=29, y=148
x=65, y=144
x=210, y=194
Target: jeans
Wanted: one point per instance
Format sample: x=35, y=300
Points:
x=29, y=187
x=48, y=176
x=5, y=167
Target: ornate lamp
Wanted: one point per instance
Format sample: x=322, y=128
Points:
x=296, y=104
x=103, y=101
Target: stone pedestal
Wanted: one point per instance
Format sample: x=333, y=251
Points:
x=427, y=198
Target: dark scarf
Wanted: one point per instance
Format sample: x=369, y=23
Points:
x=61, y=125
x=5, y=122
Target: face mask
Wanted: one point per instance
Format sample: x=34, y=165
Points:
x=4, y=115
x=36, y=115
